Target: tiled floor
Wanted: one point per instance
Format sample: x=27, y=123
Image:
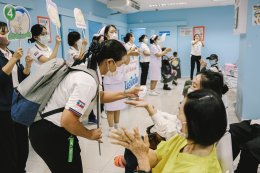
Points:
x=133, y=117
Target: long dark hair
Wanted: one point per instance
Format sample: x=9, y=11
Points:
x=206, y=117
x=98, y=52
x=107, y=29
x=127, y=37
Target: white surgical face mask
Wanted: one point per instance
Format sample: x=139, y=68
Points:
x=212, y=62
x=146, y=40
x=79, y=43
x=109, y=73
x=113, y=36
x=44, y=39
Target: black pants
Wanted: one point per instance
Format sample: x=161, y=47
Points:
x=51, y=143
x=131, y=161
x=22, y=146
x=194, y=59
x=144, y=72
x=7, y=143
x=246, y=138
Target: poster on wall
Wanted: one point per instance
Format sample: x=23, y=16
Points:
x=256, y=15
x=186, y=31
x=45, y=21
x=199, y=30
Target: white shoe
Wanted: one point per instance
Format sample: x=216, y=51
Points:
x=153, y=93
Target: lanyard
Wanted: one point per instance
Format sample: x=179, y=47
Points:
x=71, y=144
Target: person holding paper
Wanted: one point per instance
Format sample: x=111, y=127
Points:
x=14, y=144
x=77, y=46
x=40, y=52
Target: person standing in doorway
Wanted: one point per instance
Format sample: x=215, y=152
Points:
x=196, y=45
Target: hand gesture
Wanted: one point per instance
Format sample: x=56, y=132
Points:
x=18, y=54
x=58, y=39
x=28, y=61
x=84, y=42
x=131, y=141
x=203, y=63
x=168, y=49
x=137, y=103
x=133, y=92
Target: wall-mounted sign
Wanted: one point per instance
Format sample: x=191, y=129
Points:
x=186, y=31
x=168, y=33
x=199, y=30
x=45, y=21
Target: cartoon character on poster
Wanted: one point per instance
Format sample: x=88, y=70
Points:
x=80, y=21
x=19, y=23
x=53, y=14
x=256, y=15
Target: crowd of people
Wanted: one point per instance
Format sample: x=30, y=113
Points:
x=175, y=143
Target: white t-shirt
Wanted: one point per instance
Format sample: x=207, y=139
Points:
x=37, y=51
x=8, y=55
x=76, y=93
x=72, y=52
x=164, y=124
x=196, y=48
x=143, y=48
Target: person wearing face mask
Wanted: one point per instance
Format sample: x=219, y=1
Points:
x=77, y=46
x=40, y=52
x=14, y=143
x=165, y=124
x=77, y=94
x=155, y=63
x=193, y=149
x=144, y=58
x=196, y=45
x=213, y=61
x=113, y=81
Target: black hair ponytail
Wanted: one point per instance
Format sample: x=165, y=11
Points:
x=36, y=30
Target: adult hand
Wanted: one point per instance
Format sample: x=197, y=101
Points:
x=168, y=49
x=131, y=141
x=28, y=61
x=18, y=54
x=95, y=134
x=133, y=92
x=58, y=39
x=138, y=103
x=84, y=42
x=203, y=63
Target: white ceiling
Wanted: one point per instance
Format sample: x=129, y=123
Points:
x=150, y=5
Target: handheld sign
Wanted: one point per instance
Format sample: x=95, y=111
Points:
x=53, y=14
x=80, y=21
x=163, y=37
x=19, y=23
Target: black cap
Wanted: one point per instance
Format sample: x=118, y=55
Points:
x=212, y=57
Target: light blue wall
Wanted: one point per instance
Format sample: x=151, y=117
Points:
x=249, y=61
x=93, y=11
x=219, y=31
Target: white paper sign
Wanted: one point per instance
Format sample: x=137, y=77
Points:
x=186, y=31
x=256, y=14
x=79, y=19
x=53, y=12
x=19, y=22
x=163, y=37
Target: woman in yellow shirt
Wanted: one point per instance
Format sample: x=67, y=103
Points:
x=201, y=123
